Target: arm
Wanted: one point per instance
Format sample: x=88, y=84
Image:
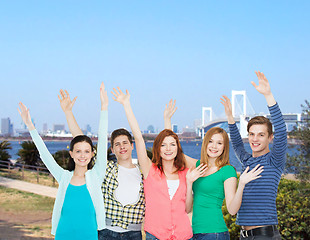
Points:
x=67, y=105
x=168, y=113
x=101, y=162
x=45, y=155
x=233, y=130
x=280, y=135
x=233, y=197
x=191, y=176
x=143, y=159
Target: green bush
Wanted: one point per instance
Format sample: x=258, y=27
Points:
x=293, y=206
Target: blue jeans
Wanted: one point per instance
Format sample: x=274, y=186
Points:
x=212, y=236
x=152, y=237
x=105, y=234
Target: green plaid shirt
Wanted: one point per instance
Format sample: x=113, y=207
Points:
x=121, y=215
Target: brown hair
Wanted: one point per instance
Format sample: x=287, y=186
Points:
x=120, y=132
x=179, y=161
x=222, y=160
x=260, y=120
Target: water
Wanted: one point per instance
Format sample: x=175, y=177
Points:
x=191, y=149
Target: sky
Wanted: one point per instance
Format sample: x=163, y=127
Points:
x=191, y=51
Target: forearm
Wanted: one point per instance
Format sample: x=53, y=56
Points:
x=101, y=162
x=234, y=205
x=270, y=99
x=189, y=197
x=230, y=119
x=73, y=125
x=133, y=123
x=167, y=123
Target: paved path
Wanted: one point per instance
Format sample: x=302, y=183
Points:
x=28, y=187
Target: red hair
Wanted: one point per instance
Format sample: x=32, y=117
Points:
x=179, y=161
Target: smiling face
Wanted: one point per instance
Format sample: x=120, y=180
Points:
x=81, y=154
x=122, y=148
x=168, y=148
x=215, y=146
x=259, y=139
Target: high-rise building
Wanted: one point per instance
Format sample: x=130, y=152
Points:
x=175, y=128
x=6, y=127
x=58, y=127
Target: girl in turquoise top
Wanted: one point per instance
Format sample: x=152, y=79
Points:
x=79, y=208
x=218, y=182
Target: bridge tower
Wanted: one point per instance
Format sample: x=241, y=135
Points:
x=209, y=111
x=235, y=104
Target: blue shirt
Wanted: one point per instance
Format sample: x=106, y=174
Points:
x=258, y=205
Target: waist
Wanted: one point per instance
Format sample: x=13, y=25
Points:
x=131, y=227
x=269, y=231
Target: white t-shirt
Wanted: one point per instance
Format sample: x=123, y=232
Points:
x=172, y=187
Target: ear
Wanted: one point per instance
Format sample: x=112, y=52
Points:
x=270, y=138
x=112, y=150
x=71, y=153
x=132, y=147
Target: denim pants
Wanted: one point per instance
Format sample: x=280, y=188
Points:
x=212, y=236
x=152, y=237
x=106, y=234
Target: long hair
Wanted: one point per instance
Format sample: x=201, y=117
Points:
x=179, y=161
x=77, y=139
x=223, y=159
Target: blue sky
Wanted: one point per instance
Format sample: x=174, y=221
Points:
x=191, y=51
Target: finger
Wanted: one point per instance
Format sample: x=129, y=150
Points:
x=114, y=93
x=255, y=168
x=67, y=94
x=73, y=101
x=114, y=98
x=119, y=89
x=102, y=85
x=127, y=92
x=62, y=93
x=19, y=111
x=254, y=84
x=246, y=170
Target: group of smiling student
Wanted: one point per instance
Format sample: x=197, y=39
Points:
x=111, y=200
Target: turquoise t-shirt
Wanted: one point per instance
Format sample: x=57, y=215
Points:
x=78, y=216
x=208, y=200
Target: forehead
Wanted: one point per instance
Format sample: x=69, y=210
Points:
x=169, y=139
x=121, y=138
x=217, y=136
x=82, y=145
x=258, y=128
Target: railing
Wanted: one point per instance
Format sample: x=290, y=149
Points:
x=12, y=169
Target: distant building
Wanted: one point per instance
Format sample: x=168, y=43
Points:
x=175, y=128
x=58, y=127
x=6, y=127
x=150, y=129
x=45, y=128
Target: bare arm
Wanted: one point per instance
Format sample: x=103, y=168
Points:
x=143, y=159
x=67, y=105
x=191, y=176
x=170, y=109
x=228, y=109
x=233, y=197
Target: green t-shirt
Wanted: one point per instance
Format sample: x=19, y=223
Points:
x=208, y=200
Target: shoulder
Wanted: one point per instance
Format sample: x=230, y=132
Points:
x=228, y=171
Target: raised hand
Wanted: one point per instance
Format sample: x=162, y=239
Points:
x=170, y=109
x=65, y=101
x=228, y=109
x=103, y=97
x=193, y=174
x=247, y=177
x=25, y=114
x=263, y=87
x=120, y=97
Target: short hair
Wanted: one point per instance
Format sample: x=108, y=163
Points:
x=223, y=159
x=77, y=139
x=260, y=120
x=179, y=161
x=120, y=132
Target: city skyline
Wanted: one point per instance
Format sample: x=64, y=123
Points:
x=191, y=52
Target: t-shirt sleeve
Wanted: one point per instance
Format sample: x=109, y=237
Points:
x=228, y=172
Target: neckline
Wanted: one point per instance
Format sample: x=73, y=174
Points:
x=77, y=185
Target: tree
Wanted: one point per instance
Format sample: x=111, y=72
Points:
x=62, y=158
x=300, y=163
x=4, y=154
x=29, y=154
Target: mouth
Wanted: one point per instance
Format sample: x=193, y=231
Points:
x=123, y=151
x=82, y=160
x=255, y=144
x=168, y=154
x=213, y=151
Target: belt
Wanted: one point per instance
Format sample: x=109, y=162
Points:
x=261, y=231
